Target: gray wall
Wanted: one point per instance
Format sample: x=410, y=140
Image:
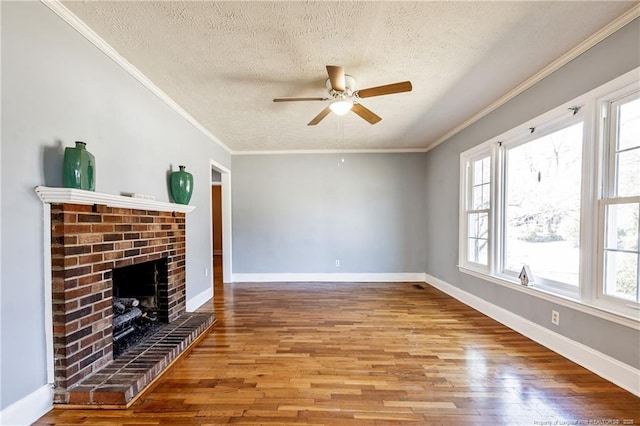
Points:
x=57, y=88
x=299, y=213
x=611, y=58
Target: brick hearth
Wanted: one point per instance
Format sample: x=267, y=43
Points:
x=115, y=385
x=87, y=242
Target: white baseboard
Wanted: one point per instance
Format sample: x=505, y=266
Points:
x=28, y=409
x=619, y=373
x=199, y=300
x=330, y=277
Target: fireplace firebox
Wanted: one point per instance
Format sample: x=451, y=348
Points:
x=140, y=305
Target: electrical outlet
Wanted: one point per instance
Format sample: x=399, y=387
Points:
x=337, y=263
x=555, y=317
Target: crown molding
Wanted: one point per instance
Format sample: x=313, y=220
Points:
x=587, y=44
x=333, y=151
x=84, y=30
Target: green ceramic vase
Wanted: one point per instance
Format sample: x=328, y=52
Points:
x=79, y=168
x=181, y=184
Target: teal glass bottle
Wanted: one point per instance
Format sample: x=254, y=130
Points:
x=79, y=168
x=181, y=185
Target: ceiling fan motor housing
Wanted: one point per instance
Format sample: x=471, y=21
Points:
x=349, y=91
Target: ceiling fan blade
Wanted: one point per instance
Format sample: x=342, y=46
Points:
x=366, y=113
x=336, y=76
x=387, y=89
x=319, y=117
x=299, y=99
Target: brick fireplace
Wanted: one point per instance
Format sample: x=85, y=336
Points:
x=87, y=242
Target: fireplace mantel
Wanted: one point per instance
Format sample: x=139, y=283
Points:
x=78, y=196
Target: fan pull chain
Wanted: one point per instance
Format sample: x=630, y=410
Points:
x=342, y=144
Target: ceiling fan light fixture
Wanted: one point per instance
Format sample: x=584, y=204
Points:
x=344, y=97
x=341, y=107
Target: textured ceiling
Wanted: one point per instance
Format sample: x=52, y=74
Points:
x=224, y=62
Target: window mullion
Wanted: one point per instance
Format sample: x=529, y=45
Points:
x=638, y=260
x=610, y=122
x=608, y=151
x=497, y=196
x=589, y=217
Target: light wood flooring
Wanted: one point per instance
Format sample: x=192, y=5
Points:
x=353, y=353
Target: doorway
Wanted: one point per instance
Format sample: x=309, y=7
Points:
x=216, y=229
x=220, y=223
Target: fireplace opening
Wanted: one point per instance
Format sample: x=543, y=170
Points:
x=140, y=303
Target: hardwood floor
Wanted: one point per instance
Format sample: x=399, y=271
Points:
x=344, y=353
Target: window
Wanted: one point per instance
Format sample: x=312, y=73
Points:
x=561, y=194
x=478, y=209
x=542, y=206
x=621, y=251
x=620, y=204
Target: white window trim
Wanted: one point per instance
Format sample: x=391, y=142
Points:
x=480, y=152
x=589, y=296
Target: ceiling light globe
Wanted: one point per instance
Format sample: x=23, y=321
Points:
x=341, y=107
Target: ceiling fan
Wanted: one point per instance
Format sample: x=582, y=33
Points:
x=345, y=97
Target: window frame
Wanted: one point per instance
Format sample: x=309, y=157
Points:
x=609, y=122
x=607, y=145
x=602, y=298
x=589, y=295
x=562, y=119
x=466, y=200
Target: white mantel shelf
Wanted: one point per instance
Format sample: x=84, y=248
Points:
x=79, y=196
